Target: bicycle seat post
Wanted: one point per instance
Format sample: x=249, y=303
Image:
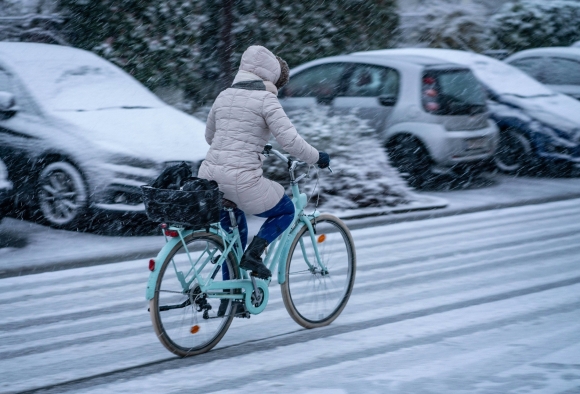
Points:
x=233, y=221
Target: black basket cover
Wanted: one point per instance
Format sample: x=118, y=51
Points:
x=194, y=209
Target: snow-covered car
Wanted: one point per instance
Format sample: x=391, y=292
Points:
x=556, y=67
x=79, y=135
x=5, y=190
x=538, y=126
x=430, y=115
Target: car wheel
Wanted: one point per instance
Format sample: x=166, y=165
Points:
x=61, y=195
x=412, y=161
x=513, y=154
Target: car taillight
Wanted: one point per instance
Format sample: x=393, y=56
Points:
x=151, y=265
x=430, y=94
x=171, y=233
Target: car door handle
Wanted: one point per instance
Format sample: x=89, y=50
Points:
x=387, y=101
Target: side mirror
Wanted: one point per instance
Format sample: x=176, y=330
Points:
x=7, y=105
x=387, y=101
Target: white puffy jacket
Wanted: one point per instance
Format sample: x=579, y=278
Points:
x=239, y=126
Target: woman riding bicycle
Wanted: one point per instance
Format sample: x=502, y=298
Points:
x=238, y=127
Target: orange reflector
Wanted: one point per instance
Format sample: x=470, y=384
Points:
x=194, y=329
x=151, y=265
x=321, y=238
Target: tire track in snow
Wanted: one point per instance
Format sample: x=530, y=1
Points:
x=303, y=335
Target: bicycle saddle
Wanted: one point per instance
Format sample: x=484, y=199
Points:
x=227, y=204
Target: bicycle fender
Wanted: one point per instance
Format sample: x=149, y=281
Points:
x=161, y=256
x=290, y=239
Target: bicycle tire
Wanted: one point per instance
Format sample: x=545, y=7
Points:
x=189, y=343
x=292, y=294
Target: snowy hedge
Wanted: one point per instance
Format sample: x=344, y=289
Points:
x=362, y=176
x=179, y=44
x=442, y=24
x=528, y=24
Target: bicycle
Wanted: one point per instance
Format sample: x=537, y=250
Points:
x=185, y=292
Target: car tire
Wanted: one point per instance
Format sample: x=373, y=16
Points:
x=61, y=195
x=514, y=153
x=412, y=160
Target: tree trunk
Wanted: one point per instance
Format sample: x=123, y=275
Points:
x=226, y=44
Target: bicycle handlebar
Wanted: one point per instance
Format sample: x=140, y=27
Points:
x=291, y=163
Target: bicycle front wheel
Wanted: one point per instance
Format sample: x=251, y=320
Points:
x=313, y=295
x=185, y=321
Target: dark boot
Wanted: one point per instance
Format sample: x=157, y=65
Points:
x=252, y=258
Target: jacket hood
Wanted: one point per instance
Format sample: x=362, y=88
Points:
x=260, y=61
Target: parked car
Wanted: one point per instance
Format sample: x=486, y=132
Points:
x=79, y=135
x=430, y=115
x=556, y=67
x=539, y=128
x=5, y=190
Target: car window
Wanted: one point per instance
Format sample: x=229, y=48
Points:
x=5, y=82
x=318, y=81
x=561, y=71
x=372, y=81
x=452, y=92
x=531, y=66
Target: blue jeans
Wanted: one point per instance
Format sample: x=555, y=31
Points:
x=278, y=220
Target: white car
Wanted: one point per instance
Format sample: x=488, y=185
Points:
x=556, y=67
x=430, y=115
x=79, y=135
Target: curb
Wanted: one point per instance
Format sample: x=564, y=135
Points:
x=355, y=221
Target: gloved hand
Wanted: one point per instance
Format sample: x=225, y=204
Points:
x=323, y=160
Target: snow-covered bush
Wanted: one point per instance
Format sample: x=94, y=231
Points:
x=442, y=24
x=362, y=176
x=30, y=21
x=184, y=45
x=536, y=23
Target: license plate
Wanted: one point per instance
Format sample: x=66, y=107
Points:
x=476, y=143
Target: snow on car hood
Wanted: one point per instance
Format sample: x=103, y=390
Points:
x=159, y=134
x=559, y=111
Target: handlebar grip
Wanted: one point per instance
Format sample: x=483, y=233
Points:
x=267, y=149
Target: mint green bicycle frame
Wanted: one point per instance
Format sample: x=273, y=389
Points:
x=277, y=255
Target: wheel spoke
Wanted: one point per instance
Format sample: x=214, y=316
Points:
x=315, y=299
x=187, y=323
x=49, y=189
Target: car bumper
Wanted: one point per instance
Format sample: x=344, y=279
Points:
x=463, y=147
x=117, y=188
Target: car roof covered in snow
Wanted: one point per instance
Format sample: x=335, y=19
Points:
x=399, y=62
x=497, y=76
x=569, y=52
x=66, y=78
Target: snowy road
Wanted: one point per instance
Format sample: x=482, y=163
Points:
x=487, y=302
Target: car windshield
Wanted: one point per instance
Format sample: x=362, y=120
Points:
x=83, y=83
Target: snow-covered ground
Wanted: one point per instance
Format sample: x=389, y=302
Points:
x=486, y=302
x=27, y=247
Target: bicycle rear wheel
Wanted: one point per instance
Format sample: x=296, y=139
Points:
x=312, y=297
x=186, y=322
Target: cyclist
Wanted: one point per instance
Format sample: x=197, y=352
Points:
x=239, y=125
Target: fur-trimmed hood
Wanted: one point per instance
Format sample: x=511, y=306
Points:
x=258, y=63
